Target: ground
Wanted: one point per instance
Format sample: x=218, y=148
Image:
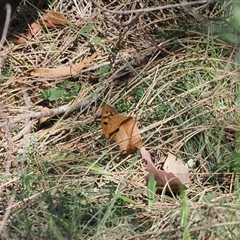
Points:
x=176, y=70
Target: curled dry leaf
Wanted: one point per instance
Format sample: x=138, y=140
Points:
x=121, y=128
x=34, y=28
x=63, y=71
x=128, y=136
x=51, y=19
x=177, y=167
x=54, y=19
x=162, y=177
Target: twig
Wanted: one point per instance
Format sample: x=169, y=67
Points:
x=57, y=137
x=98, y=66
x=55, y=111
x=183, y=4
x=37, y=115
x=125, y=24
x=6, y=24
x=25, y=130
x=9, y=147
x=8, y=210
x=9, y=142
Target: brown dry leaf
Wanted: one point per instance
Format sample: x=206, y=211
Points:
x=121, y=128
x=63, y=71
x=177, y=167
x=34, y=28
x=128, y=136
x=54, y=19
x=162, y=177
x=51, y=19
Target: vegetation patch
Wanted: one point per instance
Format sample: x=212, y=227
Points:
x=174, y=70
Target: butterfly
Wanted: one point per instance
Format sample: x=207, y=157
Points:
x=121, y=128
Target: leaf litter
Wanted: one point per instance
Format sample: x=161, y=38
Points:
x=137, y=38
x=51, y=19
x=126, y=133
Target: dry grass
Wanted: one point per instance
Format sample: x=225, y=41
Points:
x=167, y=69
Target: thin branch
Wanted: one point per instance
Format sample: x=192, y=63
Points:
x=6, y=24
x=9, y=142
x=177, y=5
x=55, y=111
x=25, y=130
x=8, y=210
x=36, y=115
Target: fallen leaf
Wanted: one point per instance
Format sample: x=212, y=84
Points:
x=63, y=71
x=121, y=128
x=128, y=136
x=178, y=168
x=162, y=177
x=51, y=19
x=34, y=28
